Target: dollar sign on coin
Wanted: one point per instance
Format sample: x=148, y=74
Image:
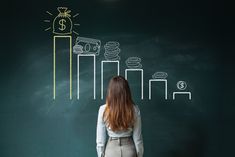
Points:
x=62, y=24
x=181, y=85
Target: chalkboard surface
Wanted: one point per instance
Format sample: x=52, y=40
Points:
x=180, y=41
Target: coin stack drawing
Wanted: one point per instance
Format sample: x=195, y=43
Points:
x=159, y=75
x=77, y=49
x=112, y=51
x=134, y=63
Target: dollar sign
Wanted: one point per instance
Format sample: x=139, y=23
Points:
x=182, y=85
x=62, y=25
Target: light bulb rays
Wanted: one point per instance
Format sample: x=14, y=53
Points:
x=49, y=13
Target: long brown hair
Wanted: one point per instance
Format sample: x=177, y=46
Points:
x=119, y=111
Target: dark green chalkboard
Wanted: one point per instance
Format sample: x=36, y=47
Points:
x=180, y=39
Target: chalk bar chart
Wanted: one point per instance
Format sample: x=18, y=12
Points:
x=111, y=55
x=89, y=47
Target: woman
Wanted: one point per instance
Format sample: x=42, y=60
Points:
x=122, y=120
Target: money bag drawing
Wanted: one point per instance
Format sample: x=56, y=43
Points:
x=62, y=23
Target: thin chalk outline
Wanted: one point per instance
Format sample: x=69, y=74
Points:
x=70, y=65
x=102, y=74
x=189, y=94
x=157, y=80
x=78, y=87
x=142, y=78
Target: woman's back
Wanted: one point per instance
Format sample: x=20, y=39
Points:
x=121, y=119
x=122, y=133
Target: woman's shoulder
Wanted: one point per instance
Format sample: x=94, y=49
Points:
x=102, y=108
x=137, y=110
